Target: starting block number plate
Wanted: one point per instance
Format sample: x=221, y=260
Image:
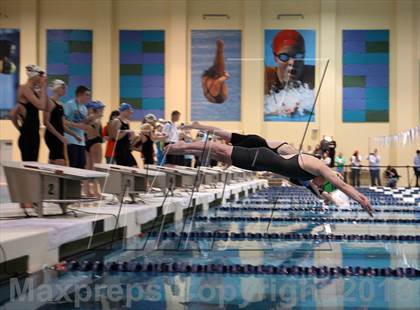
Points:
x=51, y=188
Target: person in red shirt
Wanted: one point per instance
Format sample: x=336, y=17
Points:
x=110, y=143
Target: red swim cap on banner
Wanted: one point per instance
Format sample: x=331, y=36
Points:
x=288, y=38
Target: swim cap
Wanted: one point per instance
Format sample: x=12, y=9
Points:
x=89, y=105
x=57, y=83
x=125, y=106
x=150, y=118
x=96, y=105
x=34, y=70
x=288, y=38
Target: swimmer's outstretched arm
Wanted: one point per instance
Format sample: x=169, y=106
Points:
x=347, y=189
x=224, y=134
x=284, y=149
x=217, y=151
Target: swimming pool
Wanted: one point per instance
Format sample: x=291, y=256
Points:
x=229, y=258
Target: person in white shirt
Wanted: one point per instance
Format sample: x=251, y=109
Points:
x=374, y=161
x=355, y=161
x=170, y=129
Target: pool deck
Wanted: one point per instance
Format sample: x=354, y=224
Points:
x=40, y=240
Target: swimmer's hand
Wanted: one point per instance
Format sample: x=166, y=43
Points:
x=64, y=140
x=225, y=166
x=364, y=202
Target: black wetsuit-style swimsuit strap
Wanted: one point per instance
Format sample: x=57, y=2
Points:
x=276, y=148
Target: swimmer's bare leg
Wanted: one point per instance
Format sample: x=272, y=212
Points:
x=216, y=151
x=219, y=58
x=286, y=149
x=225, y=135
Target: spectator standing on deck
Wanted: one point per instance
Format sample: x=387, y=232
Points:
x=416, y=164
x=355, y=161
x=170, y=129
x=339, y=163
x=374, y=162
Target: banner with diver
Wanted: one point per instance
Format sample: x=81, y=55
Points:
x=9, y=69
x=216, y=75
x=289, y=69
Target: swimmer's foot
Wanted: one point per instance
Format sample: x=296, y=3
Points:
x=220, y=44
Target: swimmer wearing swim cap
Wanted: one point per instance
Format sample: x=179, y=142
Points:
x=288, y=47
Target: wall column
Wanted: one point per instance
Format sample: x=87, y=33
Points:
x=103, y=75
x=327, y=41
x=28, y=36
x=176, y=60
x=252, y=68
x=405, y=76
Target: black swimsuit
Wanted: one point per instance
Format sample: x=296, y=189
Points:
x=263, y=159
x=54, y=144
x=219, y=98
x=97, y=139
x=123, y=154
x=29, y=133
x=252, y=141
x=147, y=151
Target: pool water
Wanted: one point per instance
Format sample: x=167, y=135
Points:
x=217, y=290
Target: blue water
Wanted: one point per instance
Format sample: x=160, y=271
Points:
x=252, y=291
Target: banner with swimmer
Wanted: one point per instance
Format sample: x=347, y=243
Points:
x=216, y=75
x=289, y=61
x=9, y=69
